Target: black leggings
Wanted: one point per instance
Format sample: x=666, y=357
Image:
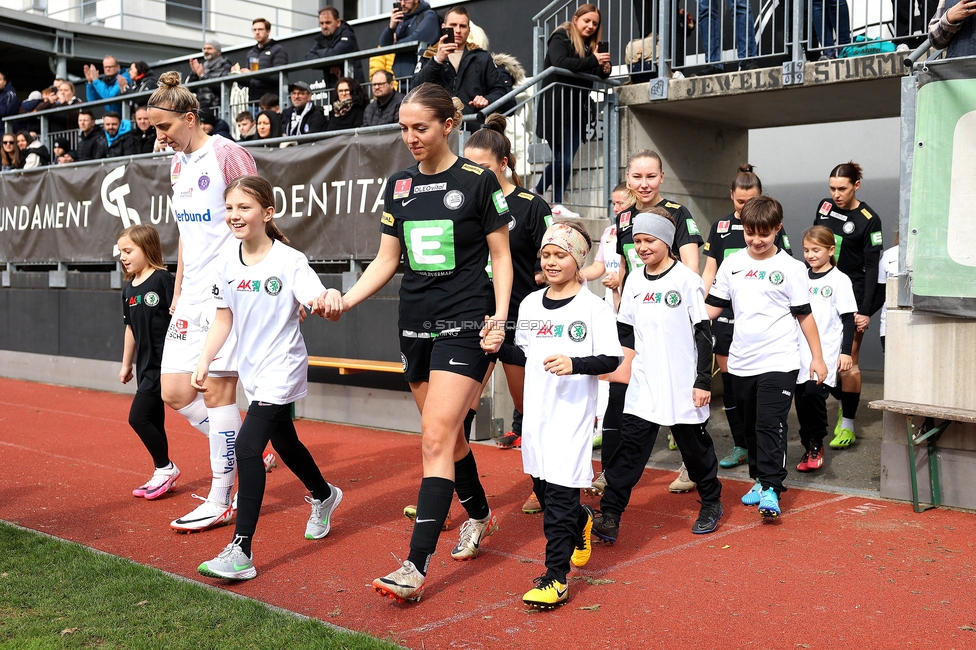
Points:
x=270, y=423
x=147, y=417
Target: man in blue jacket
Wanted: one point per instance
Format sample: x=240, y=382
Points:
x=413, y=21
x=111, y=84
x=336, y=38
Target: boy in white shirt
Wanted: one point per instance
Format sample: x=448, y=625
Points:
x=769, y=293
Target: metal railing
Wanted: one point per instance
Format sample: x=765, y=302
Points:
x=724, y=35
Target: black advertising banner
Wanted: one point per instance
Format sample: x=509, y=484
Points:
x=328, y=200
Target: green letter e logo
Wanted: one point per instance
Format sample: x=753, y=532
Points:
x=430, y=244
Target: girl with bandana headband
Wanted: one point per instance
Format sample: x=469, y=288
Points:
x=565, y=337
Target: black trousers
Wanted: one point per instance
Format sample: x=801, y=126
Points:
x=764, y=402
x=262, y=424
x=637, y=437
x=563, y=520
x=147, y=417
x=811, y=410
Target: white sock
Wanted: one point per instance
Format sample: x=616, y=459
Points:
x=225, y=422
x=196, y=414
x=847, y=423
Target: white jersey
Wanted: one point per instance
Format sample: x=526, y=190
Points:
x=887, y=268
x=663, y=312
x=557, y=424
x=199, y=180
x=271, y=357
x=607, y=253
x=831, y=295
x=763, y=292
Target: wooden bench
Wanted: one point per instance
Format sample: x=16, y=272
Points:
x=353, y=366
x=929, y=433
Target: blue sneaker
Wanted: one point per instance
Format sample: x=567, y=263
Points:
x=769, y=504
x=752, y=497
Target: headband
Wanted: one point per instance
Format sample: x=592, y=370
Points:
x=569, y=239
x=648, y=223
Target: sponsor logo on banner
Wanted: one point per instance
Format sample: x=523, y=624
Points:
x=402, y=188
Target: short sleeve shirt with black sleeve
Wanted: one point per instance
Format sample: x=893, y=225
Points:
x=856, y=232
x=442, y=221
x=145, y=308
x=685, y=231
x=530, y=218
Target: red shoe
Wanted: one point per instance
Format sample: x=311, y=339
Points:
x=509, y=441
x=270, y=460
x=804, y=465
x=815, y=460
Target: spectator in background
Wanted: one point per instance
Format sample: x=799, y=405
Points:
x=213, y=125
x=268, y=125
x=32, y=151
x=385, y=107
x=414, y=21
x=269, y=102
x=49, y=96
x=349, y=107
x=57, y=150
x=336, y=38
x=110, y=84
x=29, y=105
x=837, y=19
x=954, y=29
x=91, y=141
x=117, y=137
x=66, y=97
x=143, y=80
x=9, y=153
x=9, y=104
x=303, y=116
x=143, y=132
x=246, y=126
x=266, y=53
x=460, y=67
x=711, y=26
x=214, y=65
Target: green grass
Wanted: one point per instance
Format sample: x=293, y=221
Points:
x=56, y=594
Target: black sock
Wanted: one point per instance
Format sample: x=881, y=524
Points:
x=731, y=413
x=468, y=419
x=611, y=422
x=433, y=506
x=470, y=492
x=244, y=541
x=849, y=402
x=836, y=391
x=322, y=493
x=516, y=422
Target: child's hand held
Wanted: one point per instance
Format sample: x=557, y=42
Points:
x=199, y=378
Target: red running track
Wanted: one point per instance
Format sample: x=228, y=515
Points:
x=835, y=571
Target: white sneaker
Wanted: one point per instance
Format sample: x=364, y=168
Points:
x=207, y=515
x=473, y=532
x=320, y=522
x=406, y=584
x=162, y=481
x=683, y=483
x=230, y=564
x=560, y=211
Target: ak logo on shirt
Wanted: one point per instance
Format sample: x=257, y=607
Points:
x=549, y=331
x=249, y=285
x=135, y=300
x=653, y=298
x=775, y=277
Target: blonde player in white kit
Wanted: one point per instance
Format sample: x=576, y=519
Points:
x=200, y=170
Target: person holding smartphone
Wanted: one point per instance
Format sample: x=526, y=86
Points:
x=562, y=109
x=460, y=67
x=411, y=20
x=953, y=27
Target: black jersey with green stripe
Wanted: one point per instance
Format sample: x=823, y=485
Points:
x=857, y=236
x=685, y=231
x=726, y=237
x=530, y=218
x=442, y=221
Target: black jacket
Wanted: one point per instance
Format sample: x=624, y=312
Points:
x=269, y=56
x=421, y=25
x=342, y=41
x=314, y=121
x=145, y=141
x=565, y=106
x=351, y=120
x=124, y=145
x=476, y=75
x=388, y=113
x=92, y=146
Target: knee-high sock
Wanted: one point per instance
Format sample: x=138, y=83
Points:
x=196, y=414
x=225, y=423
x=468, y=420
x=433, y=505
x=470, y=492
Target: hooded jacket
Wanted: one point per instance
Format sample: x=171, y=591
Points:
x=123, y=144
x=422, y=25
x=342, y=41
x=104, y=87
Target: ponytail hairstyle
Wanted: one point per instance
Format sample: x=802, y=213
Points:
x=171, y=95
x=581, y=46
x=821, y=236
x=146, y=238
x=632, y=197
x=850, y=170
x=661, y=212
x=491, y=137
x=261, y=191
x=746, y=179
x=438, y=101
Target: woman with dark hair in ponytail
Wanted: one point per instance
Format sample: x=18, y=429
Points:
x=490, y=148
x=725, y=238
x=442, y=217
x=260, y=284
